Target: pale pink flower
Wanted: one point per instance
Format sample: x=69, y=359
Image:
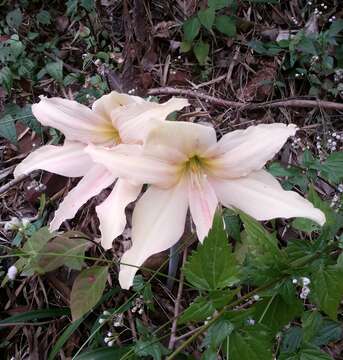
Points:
x=188, y=168
x=114, y=119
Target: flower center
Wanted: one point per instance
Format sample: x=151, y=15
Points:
x=195, y=165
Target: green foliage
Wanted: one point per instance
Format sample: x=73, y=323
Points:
x=67, y=249
x=147, y=344
x=213, y=265
x=310, y=57
x=87, y=290
x=250, y=342
x=204, y=23
x=327, y=289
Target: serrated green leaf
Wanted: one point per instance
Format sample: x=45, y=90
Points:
x=206, y=17
x=87, y=290
x=307, y=352
x=14, y=18
x=332, y=168
x=199, y=310
x=191, y=29
x=217, y=333
x=277, y=311
x=252, y=342
x=291, y=340
x=201, y=50
x=226, y=25
x=212, y=266
x=327, y=289
x=7, y=128
x=306, y=225
x=330, y=331
x=67, y=249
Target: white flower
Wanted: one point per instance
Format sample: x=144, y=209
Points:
x=304, y=292
x=306, y=281
x=111, y=343
x=12, y=272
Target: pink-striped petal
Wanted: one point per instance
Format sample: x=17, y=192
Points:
x=111, y=212
x=158, y=223
x=240, y=152
x=96, y=179
x=202, y=203
x=262, y=197
x=135, y=121
x=68, y=160
x=76, y=121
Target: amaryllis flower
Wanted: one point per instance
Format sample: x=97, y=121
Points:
x=189, y=169
x=114, y=119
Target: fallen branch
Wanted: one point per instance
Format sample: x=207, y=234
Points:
x=296, y=103
x=12, y=183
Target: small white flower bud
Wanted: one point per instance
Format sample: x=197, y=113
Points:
x=101, y=320
x=306, y=281
x=111, y=343
x=12, y=272
x=294, y=281
x=106, y=313
x=256, y=297
x=107, y=339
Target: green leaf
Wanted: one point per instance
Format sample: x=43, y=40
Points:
x=232, y=224
x=275, y=312
x=185, y=46
x=330, y=331
x=226, y=25
x=217, y=333
x=292, y=340
x=67, y=249
x=201, y=50
x=43, y=17
x=58, y=345
x=191, y=29
x=104, y=353
x=55, y=70
x=252, y=342
x=306, y=225
x=332, y=168
x=327, y=289
x=218, y=4
x=206, y=17
x=212, y=266
x=14, y=18
x=6, y=78
x=87, y=290
x=38, y=239
x=199, y=310
x=306, y=353
x=34, y=315
x=7, y=128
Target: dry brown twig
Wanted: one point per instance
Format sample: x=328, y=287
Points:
x=12, y=183
x=295, y=103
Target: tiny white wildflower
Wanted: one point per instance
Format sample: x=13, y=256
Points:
x=294, y=281
x=304, y=292
x=106, y=313
x=256, y=297
x=101, y=320
x=107, y=339
x=111, y=343
x=12, y=272
x=306, y=281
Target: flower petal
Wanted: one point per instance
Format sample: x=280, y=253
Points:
x=135, y=121
x=111, y=212
x=240, y=152
x=96, y=179
x=188, y=138
x=158, y=223
x=261, y=196
x=68, y=160
x=74, y=120
x=128, y=162
x=107, y=103
x=202, y=203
